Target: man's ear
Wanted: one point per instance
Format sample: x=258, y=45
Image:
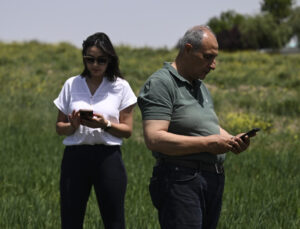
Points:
x=188, y=47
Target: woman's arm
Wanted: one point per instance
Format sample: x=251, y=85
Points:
x=123, y=129
x=67, y=125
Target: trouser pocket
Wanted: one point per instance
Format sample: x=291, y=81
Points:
x=157, y=191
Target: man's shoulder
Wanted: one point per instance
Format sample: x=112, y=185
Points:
x=162, y=75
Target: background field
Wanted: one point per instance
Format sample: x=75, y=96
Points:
x=249, y=89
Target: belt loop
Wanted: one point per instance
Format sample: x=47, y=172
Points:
x=219, y=168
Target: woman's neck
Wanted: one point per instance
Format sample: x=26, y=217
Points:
x=93, y=83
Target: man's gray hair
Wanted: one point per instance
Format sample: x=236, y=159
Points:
x=194, y=37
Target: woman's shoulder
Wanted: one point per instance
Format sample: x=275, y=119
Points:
x=120, y=82
x=74, y=79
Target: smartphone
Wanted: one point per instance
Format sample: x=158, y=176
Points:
x=86, y=114
x=250, y=133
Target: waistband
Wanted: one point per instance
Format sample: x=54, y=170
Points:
x=199, y=165
x=96, y=146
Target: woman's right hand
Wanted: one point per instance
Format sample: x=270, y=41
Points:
x=74, y=119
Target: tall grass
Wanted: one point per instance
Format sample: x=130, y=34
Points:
x=249, y=89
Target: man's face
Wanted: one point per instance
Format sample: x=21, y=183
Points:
x=200, y=62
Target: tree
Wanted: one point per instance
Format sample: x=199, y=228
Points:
x=261, y=32
x=280, y=9
x=227, y=30
x=294, y=22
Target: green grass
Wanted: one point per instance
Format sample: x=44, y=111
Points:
x=249, y=89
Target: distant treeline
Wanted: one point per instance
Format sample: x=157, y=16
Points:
x=277, y=23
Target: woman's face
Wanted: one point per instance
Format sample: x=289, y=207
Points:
x=96, y=61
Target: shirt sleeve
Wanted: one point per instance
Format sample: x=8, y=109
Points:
x=128, y=97
x=63, y=100
x=156, y=100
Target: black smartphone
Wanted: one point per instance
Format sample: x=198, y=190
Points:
x=86, y=114
x=250, y=133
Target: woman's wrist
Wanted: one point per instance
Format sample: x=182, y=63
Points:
x=108, y=125
x=73, y=128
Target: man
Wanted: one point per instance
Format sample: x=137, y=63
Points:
x=183, y=132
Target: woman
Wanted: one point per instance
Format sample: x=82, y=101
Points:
x=92, y=156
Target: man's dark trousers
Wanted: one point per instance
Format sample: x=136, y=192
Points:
x=186, y=198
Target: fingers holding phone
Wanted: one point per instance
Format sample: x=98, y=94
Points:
x=89, y=119
x=74, y=119
x=86, y=117
x=249, y=134
x=86, y=114
x=240, y=145
x=243, y=140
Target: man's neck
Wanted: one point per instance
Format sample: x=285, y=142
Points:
x=179, y=67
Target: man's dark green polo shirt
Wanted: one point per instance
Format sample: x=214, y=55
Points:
x=168, y=96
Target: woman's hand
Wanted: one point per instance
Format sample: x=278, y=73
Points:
x=67, y=124
x=122, y=129
x=98, y=121
x=74, y=119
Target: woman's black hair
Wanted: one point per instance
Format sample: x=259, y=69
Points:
x=102, y=41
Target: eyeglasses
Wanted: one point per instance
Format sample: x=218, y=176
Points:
x=100, y=60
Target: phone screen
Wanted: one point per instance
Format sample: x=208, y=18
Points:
x=250, y=133
x=86, y=114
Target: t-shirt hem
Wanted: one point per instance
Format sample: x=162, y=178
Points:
x=131, y=102
x=60, y=107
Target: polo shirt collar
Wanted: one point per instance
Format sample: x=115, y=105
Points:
x=173, y=71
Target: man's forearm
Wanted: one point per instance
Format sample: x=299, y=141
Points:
x=224, y=133
x=158, y=139
x=173, y=144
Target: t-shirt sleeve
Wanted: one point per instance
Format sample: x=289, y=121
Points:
x=155, y=99
x=63, y=100
x=128, y=96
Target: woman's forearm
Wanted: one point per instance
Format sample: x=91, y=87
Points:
x=65, y=128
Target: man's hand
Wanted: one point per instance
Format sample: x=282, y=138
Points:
x=219, y=144
x=240, y=145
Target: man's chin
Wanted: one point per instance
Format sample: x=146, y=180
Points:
x=203, y=76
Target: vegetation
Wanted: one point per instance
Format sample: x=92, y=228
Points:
x=250, y=89
x=280, y=9
x=272, y=28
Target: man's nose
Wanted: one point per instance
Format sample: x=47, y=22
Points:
x=213, y=64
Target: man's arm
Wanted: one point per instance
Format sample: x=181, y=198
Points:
x=158, y=139
x=225, y=133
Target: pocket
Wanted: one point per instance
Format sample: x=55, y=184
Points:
x=157, y=191
x=181, y=177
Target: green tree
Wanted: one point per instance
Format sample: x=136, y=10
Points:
x=262, y=31
x=293, y=21
x=226, y=28
x=280, y=9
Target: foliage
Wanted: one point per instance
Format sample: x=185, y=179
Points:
x=293, y=21
x=227, y=21
x=261, y=32
x=271, y=29
x=238, y=122
x=227, y=30
x=280, y=9
x=249, y=89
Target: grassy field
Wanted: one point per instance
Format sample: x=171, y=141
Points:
x=249, y=89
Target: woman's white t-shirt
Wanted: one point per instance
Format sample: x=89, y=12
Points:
x=109, y=99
